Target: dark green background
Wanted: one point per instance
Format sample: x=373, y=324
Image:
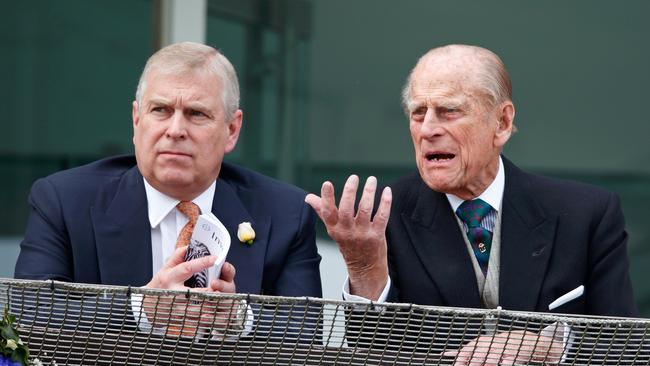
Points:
x=320, y=89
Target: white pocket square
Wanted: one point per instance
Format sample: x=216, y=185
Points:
x=569, y=296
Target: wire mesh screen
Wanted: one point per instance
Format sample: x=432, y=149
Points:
x=78, y=324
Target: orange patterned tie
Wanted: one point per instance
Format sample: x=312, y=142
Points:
x=192, y=211
x=180, y=326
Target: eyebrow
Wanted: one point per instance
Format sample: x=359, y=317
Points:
x=451, y=102
x=456, y=103
x=191, y=105
x=197, y=106
x=159, y=101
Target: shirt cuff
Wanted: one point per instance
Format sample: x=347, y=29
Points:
x=141, y=317
x=560, y=331
x=247, y=326
x=347, y=296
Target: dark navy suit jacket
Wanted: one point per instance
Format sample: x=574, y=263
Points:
x=90, y=224
x=555, y=236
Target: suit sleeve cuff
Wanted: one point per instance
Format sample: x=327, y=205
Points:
x=347, y=296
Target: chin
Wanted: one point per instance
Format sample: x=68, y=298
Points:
x=175, y=178
x=438, y=183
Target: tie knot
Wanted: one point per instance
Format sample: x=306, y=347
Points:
x=189, y=209
x=472, y=212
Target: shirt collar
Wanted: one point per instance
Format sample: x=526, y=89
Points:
x=159, y=204
x=493, y=195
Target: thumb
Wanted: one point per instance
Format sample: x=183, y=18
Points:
x=450, y=353
x=314, y=201
x=227, y=272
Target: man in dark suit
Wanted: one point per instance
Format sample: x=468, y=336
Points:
x=119, y=220
x=470, y=229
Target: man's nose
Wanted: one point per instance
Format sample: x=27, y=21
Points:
x=431, y=126
x=177, y=128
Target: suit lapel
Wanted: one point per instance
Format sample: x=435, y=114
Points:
x=438, y=242
x=122, y=231
x=526, y=243
x=247, y=259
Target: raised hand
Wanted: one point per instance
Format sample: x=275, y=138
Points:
x=360, y=236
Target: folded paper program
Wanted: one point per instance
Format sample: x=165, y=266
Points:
x=209, y=237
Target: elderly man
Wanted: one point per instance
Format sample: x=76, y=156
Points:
x=126, y=220
x=470, y=229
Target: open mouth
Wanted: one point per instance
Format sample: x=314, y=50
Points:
x=440, y=157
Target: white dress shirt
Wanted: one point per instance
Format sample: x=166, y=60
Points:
x=167, y=221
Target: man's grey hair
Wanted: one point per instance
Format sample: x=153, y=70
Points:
x=189, y=56
x=492, y=77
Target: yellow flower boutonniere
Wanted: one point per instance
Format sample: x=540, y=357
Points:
x=245, y=233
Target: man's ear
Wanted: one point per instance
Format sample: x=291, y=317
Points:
x=234, y=127
x=505, y=123
x=135, y=116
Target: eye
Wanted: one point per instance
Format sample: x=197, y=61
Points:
x=418, y=114
x=194, y=113
x=449, y=112
x=159, y=109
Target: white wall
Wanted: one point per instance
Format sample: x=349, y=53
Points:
x=332, y=269
x=9, y=247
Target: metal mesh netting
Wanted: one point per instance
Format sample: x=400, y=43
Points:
x=78, y=324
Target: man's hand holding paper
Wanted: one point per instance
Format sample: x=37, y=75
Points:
x=210, y=237
x=175, y=313
x=201, y=267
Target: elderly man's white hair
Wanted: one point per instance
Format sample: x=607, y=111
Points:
x=492, y=77
x=189, y=56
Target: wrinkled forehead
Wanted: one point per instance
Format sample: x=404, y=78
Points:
x=446, y=76
x=203, y=80
x=455, y=72
x=181, y=71
x=444, y=83
x=186, y=90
